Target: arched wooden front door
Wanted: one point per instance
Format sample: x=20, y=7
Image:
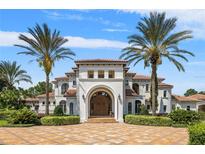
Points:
x=100, y=104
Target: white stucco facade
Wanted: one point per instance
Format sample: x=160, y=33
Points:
x=125, y=91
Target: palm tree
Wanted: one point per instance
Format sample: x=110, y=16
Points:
x=46, y=47
x=11, y=74
x=155, y=41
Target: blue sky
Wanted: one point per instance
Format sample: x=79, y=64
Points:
x=102, y=34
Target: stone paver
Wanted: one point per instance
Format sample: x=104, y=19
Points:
x=94, y=133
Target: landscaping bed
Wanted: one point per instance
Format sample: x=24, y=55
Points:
x=60, y=120
x=197, y=134
x=148, y=120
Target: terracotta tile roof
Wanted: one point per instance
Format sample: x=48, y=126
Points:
x=71, y=92
x=130, y=92
x=184, y=98
x=101, y=61
x=144, y=77
x=198, y=96
x=61, y=78
x=51, y=94
x=130, y=74
x=165, y=85
x=31, y=99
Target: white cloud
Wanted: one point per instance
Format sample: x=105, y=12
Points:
x=79, y=17
x=198, y=63
x=187, y=19
x=115, y=30
x=11, y=38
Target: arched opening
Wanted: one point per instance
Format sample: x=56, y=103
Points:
x=64, y=88
x=63, y=105
x=71, y=108
x=135, y=87
x=137, y=106
x=201, y=108
x=100, y=104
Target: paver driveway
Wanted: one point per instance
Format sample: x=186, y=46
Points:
x=94, y=133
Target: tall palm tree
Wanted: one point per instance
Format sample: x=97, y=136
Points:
x=11, y=74
x=47, y=48
x=155, y=41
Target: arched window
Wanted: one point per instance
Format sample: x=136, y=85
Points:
x=129, y=108
x=71, y=108
x=63, y=105
x=64, y=88
x=135, y=87
x=137, y=106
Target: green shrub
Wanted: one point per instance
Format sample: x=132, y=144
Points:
x=4, y=114
x=143, y=110
x=58, y=111
x=60, y=120
x=148, y=120
x=197, y=134
x=23, y=116
x=184, y=117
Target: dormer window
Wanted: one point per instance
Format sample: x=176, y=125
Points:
x=64, y=88
x=90, y=74
x=111, y=74
x=100, y=74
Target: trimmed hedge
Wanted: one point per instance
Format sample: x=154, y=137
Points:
x=148, y=120
x=4, y=114
x=58, y=111
x=60, y=120
x=197, y=134
x=23, y=116
x=184, y=117
x=202, y=115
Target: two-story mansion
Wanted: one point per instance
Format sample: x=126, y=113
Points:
x=103, y=87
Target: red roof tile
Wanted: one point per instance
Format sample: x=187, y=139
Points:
x=130, y=92
x=101, y=61
x=51, y=94
x=144, y=77
x=184, y=98
x=62, y=78
x=71, y=92
x=165, y=85
x=198, y=96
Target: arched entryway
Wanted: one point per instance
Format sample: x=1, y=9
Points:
x=100, y=104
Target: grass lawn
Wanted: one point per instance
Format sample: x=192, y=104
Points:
x=4, y=123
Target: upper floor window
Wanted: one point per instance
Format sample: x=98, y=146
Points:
x=135, y=87
x=126, y=82
x=147, y=87
x=91, y=74
x=165, y=94
x=100, y=74
x=74, y=82
x=64, y=88
x=111, y=74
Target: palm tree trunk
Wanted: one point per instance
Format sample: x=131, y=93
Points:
x=154, y=88
x=47, y=94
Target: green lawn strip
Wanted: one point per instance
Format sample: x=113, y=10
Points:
x=4, y=123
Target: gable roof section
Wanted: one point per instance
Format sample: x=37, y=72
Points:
x=145, y=77
x=51, y=94
x=184, y=98
x=165, y=85
x=198, y=96
x=71, y=92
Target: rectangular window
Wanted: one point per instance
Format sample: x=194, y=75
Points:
x=148, y=107
x=111, y=74
x=90, y=74
x=100, y=74
x=126, y=82
x=188, y=108
x=147, y=87
x=74, y=82
x=165, y=94
x=165, y=108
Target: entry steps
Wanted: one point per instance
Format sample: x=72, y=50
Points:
x=101, y=120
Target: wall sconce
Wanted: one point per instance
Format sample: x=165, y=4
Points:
x=83, y=97
x=119, y=97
